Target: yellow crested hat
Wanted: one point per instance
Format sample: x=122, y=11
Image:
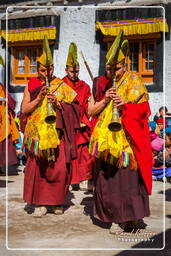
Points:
x=118, y=51
x=46, y=58
x=72, y=55
x=2, y=61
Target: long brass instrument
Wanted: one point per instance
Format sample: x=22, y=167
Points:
x=115, y=124
x=50, y=118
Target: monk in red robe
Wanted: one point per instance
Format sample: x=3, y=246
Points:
x=12, y=134
x=123, y=155
x=81, y=167
x=50, y=142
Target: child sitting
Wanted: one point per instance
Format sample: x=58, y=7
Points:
x=162, y=112
x=159, y=164
x=161, y=124
x=152, y=127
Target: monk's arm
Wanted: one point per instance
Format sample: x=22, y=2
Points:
x=28, y=106
x=94, y=108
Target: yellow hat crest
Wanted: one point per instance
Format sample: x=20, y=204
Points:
x=72, y=55
x=2, y=61
x=118, y=51
x=46, y=57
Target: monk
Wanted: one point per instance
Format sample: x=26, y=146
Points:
x=122, y=151
x=50, y=143
x=82, y=166
x=12, y=134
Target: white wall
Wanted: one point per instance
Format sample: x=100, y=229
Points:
x=18, y=98
x=78, y=25
x=163, y=99
x=2, y=53
x=156, y=100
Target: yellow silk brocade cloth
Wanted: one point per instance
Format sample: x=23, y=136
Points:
x=29, y=34
x=39, y=134
x=133, y=27
x=11, y=126
x=115, y=147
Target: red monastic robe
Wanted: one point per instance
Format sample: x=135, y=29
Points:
x=81, y=167
x=46, y=182
x=12, y=131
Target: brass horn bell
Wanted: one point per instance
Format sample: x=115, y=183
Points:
x=115, y=124
x=50, y=117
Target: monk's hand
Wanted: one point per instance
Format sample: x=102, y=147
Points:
x=109, y=94
x=53, y=100
x=43, y=92
x=117, y=100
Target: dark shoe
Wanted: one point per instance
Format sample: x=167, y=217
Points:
x=75, y=187
x=135, y=225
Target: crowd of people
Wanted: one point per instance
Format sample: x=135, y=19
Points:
x=160, y=134
x=70, y=137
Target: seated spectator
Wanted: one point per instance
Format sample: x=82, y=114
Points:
x=161, y=124
x=162, y=112
x=20, y=151
x=159, y=164
x=152, y=126
x=157, y=146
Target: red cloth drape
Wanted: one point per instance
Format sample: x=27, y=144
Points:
x=135, y=121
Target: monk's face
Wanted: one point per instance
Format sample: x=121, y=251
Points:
x=162, y=112
x=43, y=71
x=72, y=72
x=119, y=70
x=110, y=72
x=116, y=70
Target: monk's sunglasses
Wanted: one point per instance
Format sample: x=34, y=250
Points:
x=74, y=71
x=115, y=69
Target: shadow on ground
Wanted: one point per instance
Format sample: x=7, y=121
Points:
x=3, y=183
x=12, y=170
x=156, y=243
x=88, y=211
x=167, y=194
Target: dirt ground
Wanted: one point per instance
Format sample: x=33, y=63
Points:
x=76, y=231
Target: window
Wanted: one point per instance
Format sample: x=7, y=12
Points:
x=141, y=58
x=25, y=63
